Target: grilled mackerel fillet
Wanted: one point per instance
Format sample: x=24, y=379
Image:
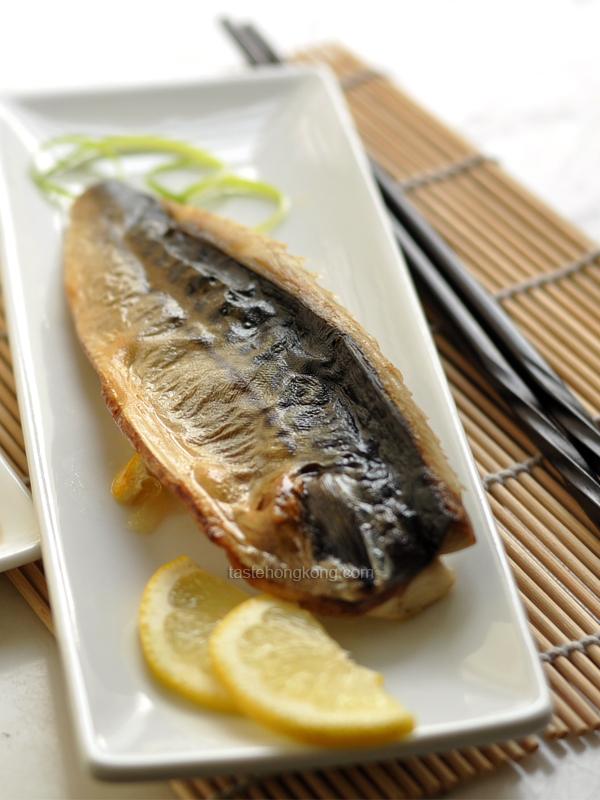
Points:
x=260, y=402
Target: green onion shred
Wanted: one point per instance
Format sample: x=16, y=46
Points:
x=84, y=155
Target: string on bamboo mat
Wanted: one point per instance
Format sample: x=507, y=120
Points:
x=550, y=277
x=512, y=472
x=443, y=173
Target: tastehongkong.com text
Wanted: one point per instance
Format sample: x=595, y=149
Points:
x=300, y=573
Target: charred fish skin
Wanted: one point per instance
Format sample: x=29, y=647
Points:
x=260, y=402
x=318, y=397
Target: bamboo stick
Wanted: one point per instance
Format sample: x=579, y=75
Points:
x=340, y=782
x=496, y=755
x=553, y=301
x=546, y=569
x=384, y=783
x=446, y=145
x=571, y=673
x=553, y=503
x=478, y=232
x=547, y=478
x=541, y=251
x=581, y=287
x=527, y=259
x=185, y=790
x=585, y=662
x=259, y=790
x=451, y=143
x=7, y=377
x=574, y=372
x=491, y=452
x=441, y=772
x=529, y=744
x=5, y=353
x=477, y=758
x=403, y=778
x=37, y=603
x=465, y=385
x=320, y=785
x=376, y=132
x=556, y=729
x=567, y=563
x=199, y=787
x=547, y=491
x=488, y=448
x=575, y=702
x=9, y=401
x=548, y=596
x=12, y=427
x=21, y=474
x=460, y=765
x=275, y=788
x=564, y=336
x=568, y=716
x=14, y=450
x=363, y=783
x=473, y=252
x=237, y=787
x=514, y=750
x=561, y=341
x=33, y=573
x=569, y=239
x=427, y=153
x=507, y=450
x=580, y=661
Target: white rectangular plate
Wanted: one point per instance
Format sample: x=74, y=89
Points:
x=466, y=667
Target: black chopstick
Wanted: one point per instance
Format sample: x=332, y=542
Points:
x=254, y=47
x=512, y=365
x=542, y=431
x=270, y=56
x=525, y=359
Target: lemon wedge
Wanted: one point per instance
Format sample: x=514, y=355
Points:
x=285, y=671
x=180, y=606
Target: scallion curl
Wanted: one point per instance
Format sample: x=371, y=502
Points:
x=86, y=152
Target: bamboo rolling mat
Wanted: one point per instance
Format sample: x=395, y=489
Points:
x=547, y=276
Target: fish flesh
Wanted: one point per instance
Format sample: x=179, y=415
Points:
x=260, y=402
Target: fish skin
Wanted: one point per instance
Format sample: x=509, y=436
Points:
x=259, y=401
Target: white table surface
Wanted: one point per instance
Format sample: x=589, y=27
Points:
x=519, y=78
